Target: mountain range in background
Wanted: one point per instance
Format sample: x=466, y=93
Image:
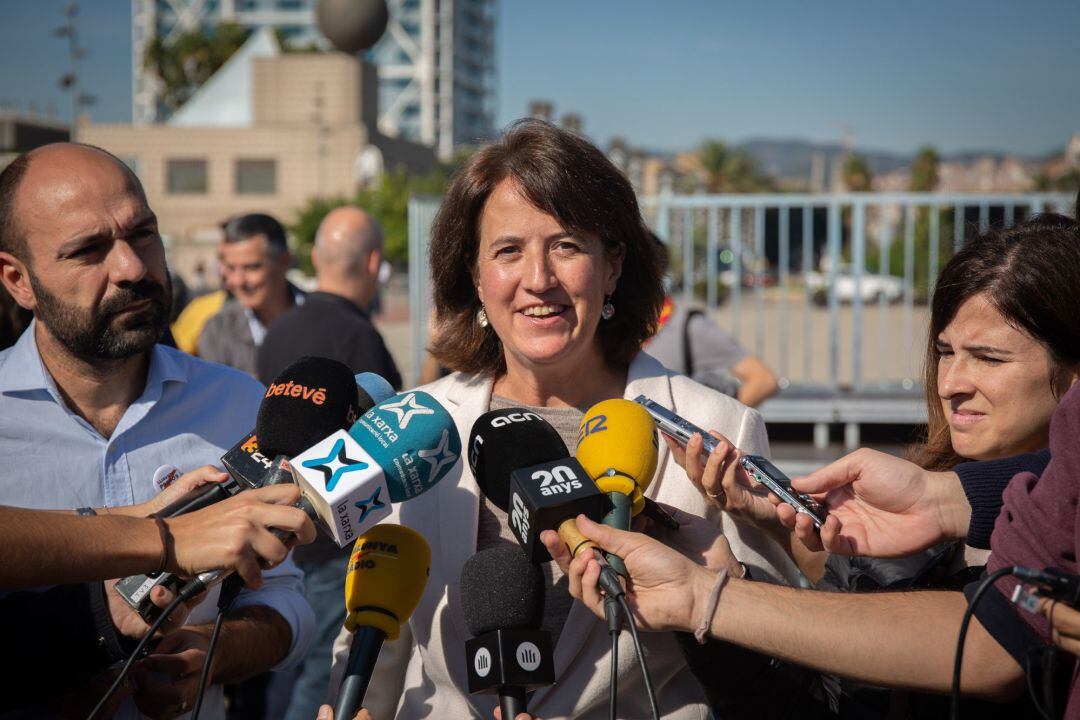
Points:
x=792, y=158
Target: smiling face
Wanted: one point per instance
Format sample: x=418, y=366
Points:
x=995, y=384
x=253, y=273
x=542, y=287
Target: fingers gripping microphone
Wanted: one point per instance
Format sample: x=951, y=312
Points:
x=397, y=450
x=388, y=570
x=509, y=442
x=308, y=400
x=618, y=449
x=509, y=653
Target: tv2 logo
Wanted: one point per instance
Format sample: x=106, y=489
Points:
x=560, y=479
x=593, y=425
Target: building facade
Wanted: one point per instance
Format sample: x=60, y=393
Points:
x=436, y=61
x=275, y=160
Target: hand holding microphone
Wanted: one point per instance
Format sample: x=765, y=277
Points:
x=618, y=449
x=521, y=464
x=237, y=534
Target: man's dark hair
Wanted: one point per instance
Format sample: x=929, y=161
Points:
x=11, y=235
x=244, y=227
x=11, y=238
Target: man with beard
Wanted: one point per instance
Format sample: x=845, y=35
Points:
x=93, y=412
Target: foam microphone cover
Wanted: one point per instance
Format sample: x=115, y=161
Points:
x=618, y=448
x=372, y=389
x=309, y=400
x=387, y=573
x=502, y=441
x=501, y=589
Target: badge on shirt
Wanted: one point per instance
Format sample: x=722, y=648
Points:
x=165, y=476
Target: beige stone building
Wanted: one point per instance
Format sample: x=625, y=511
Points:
x=266, y=134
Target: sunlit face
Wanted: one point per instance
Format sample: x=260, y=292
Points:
x=252, y=273
x=994, y=382
x=96, y=263
x=542, y=288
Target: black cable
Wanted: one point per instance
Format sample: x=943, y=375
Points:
x=612, y=611
x=229, y=590
x=205, y=674
x=137, y=652
x=641, y=658
x=1048, y=671
x=958, y=664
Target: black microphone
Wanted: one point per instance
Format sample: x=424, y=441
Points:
x=289, y=416
x=502, y=441
x=521, y=464
x=502, y=598
x=308, y=400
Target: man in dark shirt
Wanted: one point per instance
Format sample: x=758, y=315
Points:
x=333, y=322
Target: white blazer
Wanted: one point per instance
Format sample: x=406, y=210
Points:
x=422, y=674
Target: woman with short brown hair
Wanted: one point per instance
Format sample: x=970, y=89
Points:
x=546, y=283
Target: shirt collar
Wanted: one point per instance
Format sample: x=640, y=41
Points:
x=23, y=370
x=255, y=325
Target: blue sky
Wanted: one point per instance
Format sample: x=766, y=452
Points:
x=960, y=74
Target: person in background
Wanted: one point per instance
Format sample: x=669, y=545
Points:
x=691, y=343
x=333, y=322
x=188, y=326
x=254, y=259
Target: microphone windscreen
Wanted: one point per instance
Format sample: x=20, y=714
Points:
x=309, y=400
x=412, y=438
x=501, y=589
x=502, y=441
x=618, y=448
x=387, y=573
x=372, y=389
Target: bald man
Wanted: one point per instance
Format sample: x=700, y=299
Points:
x=333, y=322
x=95, y=412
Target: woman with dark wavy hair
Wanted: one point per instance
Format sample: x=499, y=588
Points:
x=546, y=284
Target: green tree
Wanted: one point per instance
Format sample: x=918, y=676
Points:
x=728, y=170
x=184, y=63
x=387, y=201
x=924, y=170
x=856, y=173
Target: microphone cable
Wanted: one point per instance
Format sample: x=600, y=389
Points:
x=641, y=658
x=969, y=612
x=181, y=598
x=230, y=588
x=612, y=613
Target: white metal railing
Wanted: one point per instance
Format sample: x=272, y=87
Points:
x=771, y=269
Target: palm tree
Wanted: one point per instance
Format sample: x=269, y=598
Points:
x=924, y=170
x=856, y=173
x=731, y=170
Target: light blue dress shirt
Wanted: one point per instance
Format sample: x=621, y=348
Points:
x=189, y=414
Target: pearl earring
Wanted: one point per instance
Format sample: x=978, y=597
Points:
x=481, y=317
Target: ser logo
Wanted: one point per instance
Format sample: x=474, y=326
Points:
x=519, y=517
x=504, y=420
x=482, y=662
x=593, y=425
x=560, y=479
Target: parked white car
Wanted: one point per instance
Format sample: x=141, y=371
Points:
x=872, y=287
